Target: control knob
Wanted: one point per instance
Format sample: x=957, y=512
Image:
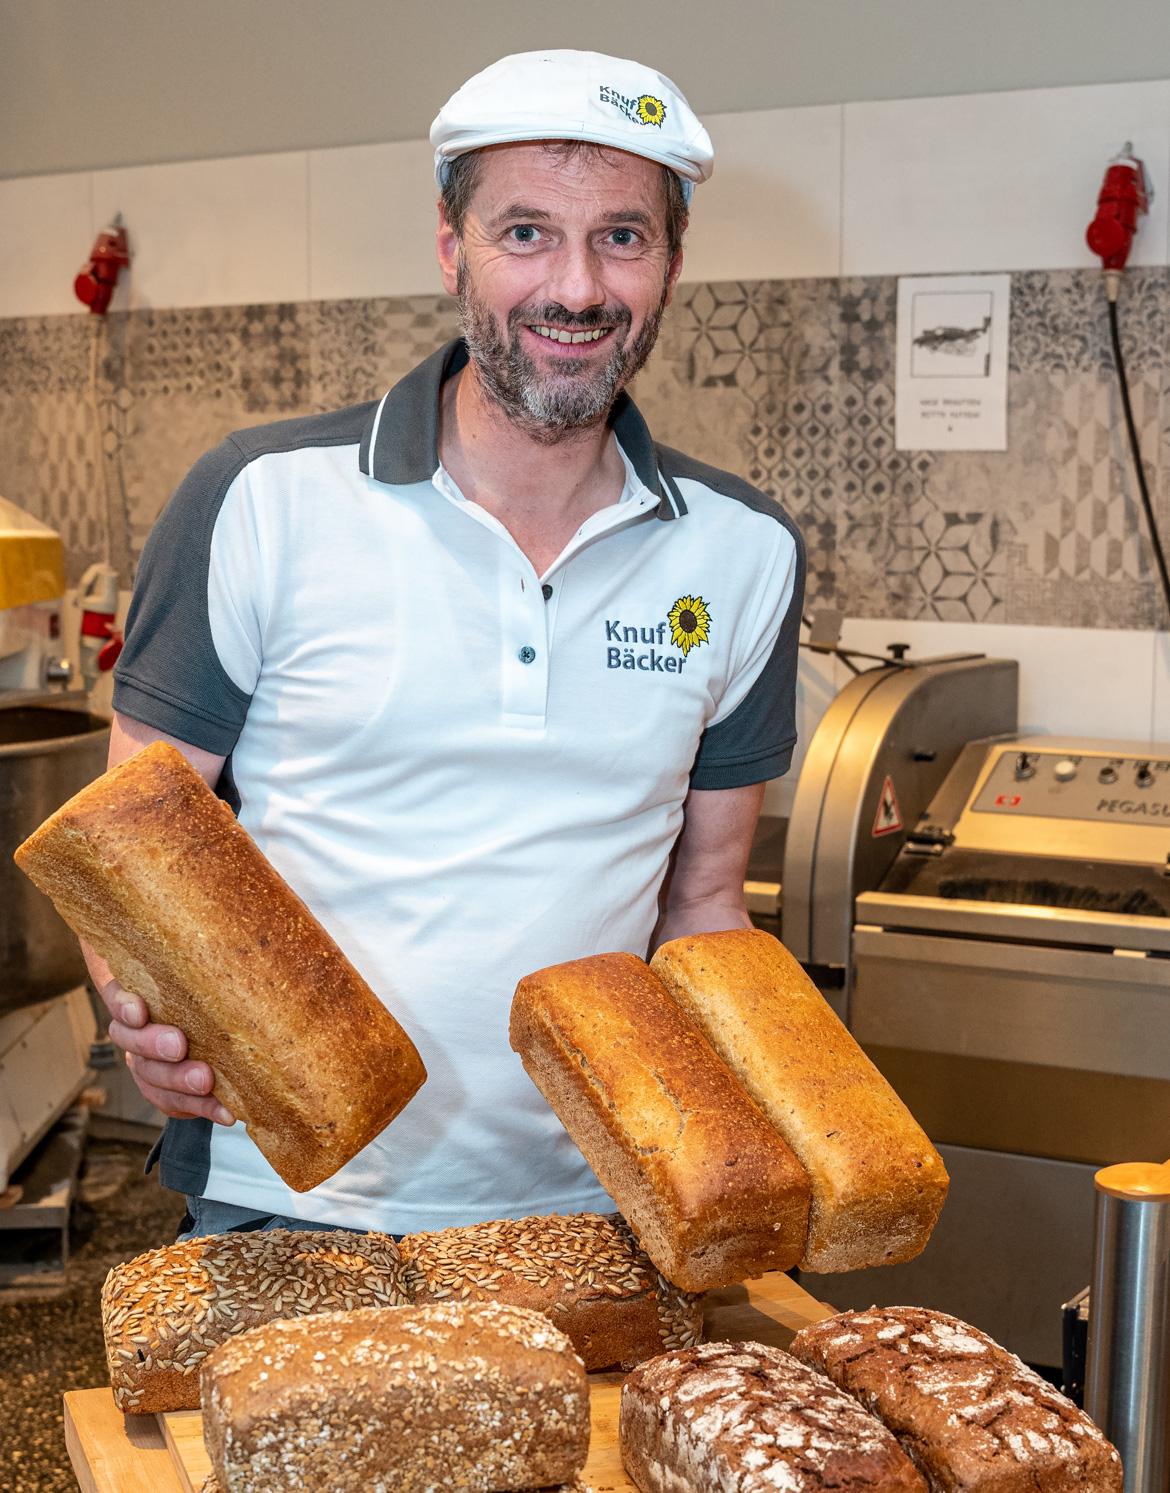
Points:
x=1064, y=770
x=1025, y=768
x=1143, y=778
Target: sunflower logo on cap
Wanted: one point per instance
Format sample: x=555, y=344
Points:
x=690, y=623
x=651, y=110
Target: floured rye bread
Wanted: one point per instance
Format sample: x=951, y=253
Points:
x=397, y=1400
x=747, y=1418
x=974, y=1418
x=211, y=1484
x=585, y=1271
x=164, y=1311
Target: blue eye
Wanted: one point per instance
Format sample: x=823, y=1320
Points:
x=523, y=233
x=624, y=237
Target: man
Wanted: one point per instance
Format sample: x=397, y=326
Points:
x=473, y=661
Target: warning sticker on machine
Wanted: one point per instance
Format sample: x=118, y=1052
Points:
x=888, y=819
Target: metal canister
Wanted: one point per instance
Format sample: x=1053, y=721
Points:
x=1127, y=1388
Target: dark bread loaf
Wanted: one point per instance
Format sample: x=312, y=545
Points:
x=747, y=1418
x=973, y=1417
x=149, y=866
x=584, y=1271
x=878, y=1185
x=712, y=1192
x=163, y=1312
x=475, y=1396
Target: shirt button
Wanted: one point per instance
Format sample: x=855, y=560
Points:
x=546, y=591
x=526, y=654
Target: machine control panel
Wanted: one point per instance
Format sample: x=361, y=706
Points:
x=1064, y=784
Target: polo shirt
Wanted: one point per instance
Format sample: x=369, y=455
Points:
x=468, y=771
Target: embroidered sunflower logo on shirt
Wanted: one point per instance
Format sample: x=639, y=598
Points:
x=690, y=623
x=651, y=110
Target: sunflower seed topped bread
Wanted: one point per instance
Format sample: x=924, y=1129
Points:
x=878, y=1185
x=149, y=866
x=971, y=1415
x=747, y=1418
x=473, y=1395
x=707, y=1185
x=163, y=1312
x=584, y=1271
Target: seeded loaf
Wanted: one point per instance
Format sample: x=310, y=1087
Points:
x=878, y=1185
x=971, y=1415
x=747, y=1418
x=474, y=1396
x=584, y=1271
x=706, y=1184
x=149, y=866
x=163, y=1312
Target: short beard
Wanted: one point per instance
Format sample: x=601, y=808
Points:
x=550, y=407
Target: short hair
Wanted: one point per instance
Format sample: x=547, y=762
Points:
x=463, y=178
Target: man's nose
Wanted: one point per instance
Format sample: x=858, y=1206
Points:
x=577, y=279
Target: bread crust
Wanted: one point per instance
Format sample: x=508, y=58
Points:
x=970, y=1414
x=709, y=1188
x=878, y=1185
x=585, y=1271
x=748, y=1418
x=474, y=1396
x=164, y=1311
x=154, y=871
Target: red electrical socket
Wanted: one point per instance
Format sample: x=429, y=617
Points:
x=96, y=279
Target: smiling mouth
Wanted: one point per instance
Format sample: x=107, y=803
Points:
x=562, y=334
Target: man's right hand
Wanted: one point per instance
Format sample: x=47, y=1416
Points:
x=155, y=1054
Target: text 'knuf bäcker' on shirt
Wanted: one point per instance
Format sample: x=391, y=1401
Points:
x=651, y=662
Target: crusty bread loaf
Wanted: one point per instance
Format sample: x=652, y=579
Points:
x=878, y=1184
x=163, y=1312
x=584, y=1271
x=149, y=866
x=474, y=1396
x=971, y=1415
x=707, y=1185
x=747, y=1418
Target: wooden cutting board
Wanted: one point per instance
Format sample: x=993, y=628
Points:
x=112, y=1453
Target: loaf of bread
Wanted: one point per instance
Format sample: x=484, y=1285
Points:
x=163, y=1312
x=707, y=1185
x=971, y=1415
x=584, y=1271
x=747, y=1418
x=149, y=866
x=878, y=1185
x=474, y=1396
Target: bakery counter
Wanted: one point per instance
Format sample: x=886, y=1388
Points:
x=115, y=1453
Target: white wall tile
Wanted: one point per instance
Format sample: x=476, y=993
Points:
x=212, y=233
x=772, y=208
x=995, y=181
x=1074, y=681
x=1160, y=686
x=372, y=221
x=46, y=233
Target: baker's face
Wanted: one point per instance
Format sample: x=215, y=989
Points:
x=563, y=273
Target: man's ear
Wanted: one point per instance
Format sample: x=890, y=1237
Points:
x=672, y=274
x=447, y=249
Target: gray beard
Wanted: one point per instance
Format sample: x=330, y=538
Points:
x=550, y=406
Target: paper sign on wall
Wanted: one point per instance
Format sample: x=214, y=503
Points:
x=952, y=362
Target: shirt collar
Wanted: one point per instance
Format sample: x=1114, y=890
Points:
x=400, y=444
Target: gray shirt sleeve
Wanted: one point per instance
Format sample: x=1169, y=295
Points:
x=169, y=675
x=755, y=742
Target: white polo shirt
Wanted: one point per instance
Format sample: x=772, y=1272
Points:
x=466, y=770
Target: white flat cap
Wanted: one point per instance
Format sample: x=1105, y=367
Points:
x=565, y=95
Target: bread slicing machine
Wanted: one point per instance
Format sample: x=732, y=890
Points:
x=990, y=913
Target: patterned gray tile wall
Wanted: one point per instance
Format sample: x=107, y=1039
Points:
x=789, y=383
